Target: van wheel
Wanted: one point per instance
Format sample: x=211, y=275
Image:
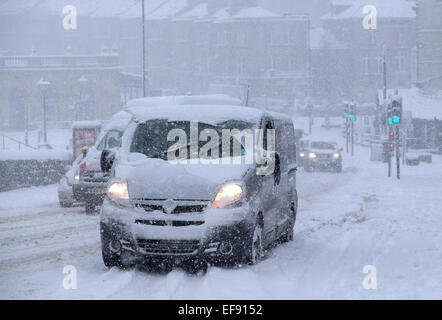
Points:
x=291, y=224
x=109, y=259
x=255, y=251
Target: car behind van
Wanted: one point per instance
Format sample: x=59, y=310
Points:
x=185, y=204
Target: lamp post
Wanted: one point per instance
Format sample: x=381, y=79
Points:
x=83, y=81
x=43, y=85
x=143, y=12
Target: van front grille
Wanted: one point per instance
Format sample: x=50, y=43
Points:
x=169, y=247
x=169, y=223
x=182, y=206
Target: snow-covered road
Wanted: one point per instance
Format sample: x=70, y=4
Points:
x=345, y=222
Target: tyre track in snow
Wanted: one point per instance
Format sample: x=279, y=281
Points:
x=45, y=234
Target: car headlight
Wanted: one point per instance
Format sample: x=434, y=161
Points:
x=302, y=154
x=312, y=155
x=228, y=194
x=77, y=175
x=336, y=155
x=118, y=190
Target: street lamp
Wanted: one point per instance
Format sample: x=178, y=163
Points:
x=82, y=99
x=143, y=21
x=43, y=85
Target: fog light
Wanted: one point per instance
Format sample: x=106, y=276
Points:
x=225, y=248
x=115, y=246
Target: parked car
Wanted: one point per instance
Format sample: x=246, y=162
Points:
x=302, y=151
x=185, y=212
x=65, y=186
x=322, y=155
x=92, y=182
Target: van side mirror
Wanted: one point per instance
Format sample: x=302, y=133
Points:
x=341, y=149
x=277, y=173
x=106, y=160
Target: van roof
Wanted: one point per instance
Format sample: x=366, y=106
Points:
x=214, y=99
x=211, y=114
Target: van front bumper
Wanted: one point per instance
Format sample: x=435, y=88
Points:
x=217, y=241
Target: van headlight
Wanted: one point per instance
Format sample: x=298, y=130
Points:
x=118, y=192
x=312, y=155
x=336, y=155
x=229, y=194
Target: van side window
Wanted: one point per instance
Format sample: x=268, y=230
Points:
x=282, y=144
x=291, y=140
x=268, y=126
x=113, y=139
x=102, y=144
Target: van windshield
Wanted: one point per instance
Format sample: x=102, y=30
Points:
x=150, y=137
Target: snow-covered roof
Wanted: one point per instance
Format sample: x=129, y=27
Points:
x=167, y=9
x=108, y=9
x=17, y=6
x=197, y=12
x=254, y=13
x=221, y=14
x=134, y=11
x=385, y=9
x=420, y=106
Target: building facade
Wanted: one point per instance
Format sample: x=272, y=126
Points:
x=357, y=71
x=72, y=87
x=429, y=45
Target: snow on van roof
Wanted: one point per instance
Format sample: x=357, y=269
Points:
x=211, y=114
x=211, y=109
x=216, y=99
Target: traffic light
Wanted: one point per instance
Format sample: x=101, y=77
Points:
x=346, y=111
x=396, y=110
x=352, y=111
x=391, y=146
x=389, y=114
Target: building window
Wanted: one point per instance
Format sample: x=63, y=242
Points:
x=293, y=37
x=373, y=36
x=366, y=64
x=401, y=35
x=402, y=62
x=278, y=38
x=222, y=38
x=240, y=65
x=241, y=39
